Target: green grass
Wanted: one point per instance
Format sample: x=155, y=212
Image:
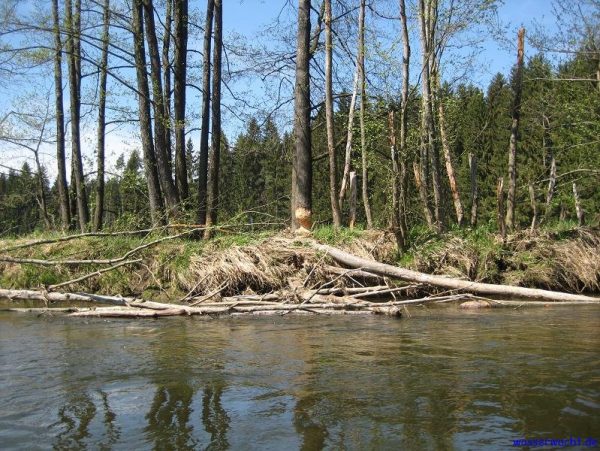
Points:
x=331, y=235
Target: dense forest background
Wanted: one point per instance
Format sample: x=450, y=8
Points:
x=249, y=175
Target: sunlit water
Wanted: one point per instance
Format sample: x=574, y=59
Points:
x=443, y=379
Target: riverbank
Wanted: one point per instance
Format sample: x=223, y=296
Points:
x=173, y=269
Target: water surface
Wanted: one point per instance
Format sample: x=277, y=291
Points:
x=443, y=379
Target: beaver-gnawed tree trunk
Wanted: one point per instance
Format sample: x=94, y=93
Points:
x=302, y=214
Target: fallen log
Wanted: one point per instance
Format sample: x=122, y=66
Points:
x=408, y=275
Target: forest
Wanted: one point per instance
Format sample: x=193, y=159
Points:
x=452, y=142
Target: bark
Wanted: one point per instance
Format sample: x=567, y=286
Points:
x=40, y=178
x=164, y=168
x=363, y=100
x=534, y=219
x=422, y=189
x=397, y=229
x=474, y=189
x=348, y=152
x=426, y=121
x=166, y=69
x=203, y=158
x=404, y=117
x=551, y=187
x=458, y=207
x=99, y=212
x=335, y=208
x=302, y=219
x=501, y=212
x=73, y=20
x=352, y=199
x=578, y=207
x=213, y=175
x=514, y=131
x=466, y=286
x=179, y=77
x=150, y=163
x=63, y=190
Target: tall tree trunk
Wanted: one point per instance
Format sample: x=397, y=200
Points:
x=150, y=163
x=203, y=154
x=458, y=207
x=73, y=19
x=335, y=208
x=397, y=229
x=474, y=189
x=578, y=207
x=534, y=218
x=166, y=69
x=514, y=131
x=348, y=153
x=61, y=181
x=551, y=187
x=426, y=119
x=99, y=212
x=501, y=208
x=404, y=118
x=215, y=154
x=180, y=63
x=352, y=189
x=363, y=100
x=164, y=168
x=302, y=219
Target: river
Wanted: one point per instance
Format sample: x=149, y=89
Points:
x=442, y=379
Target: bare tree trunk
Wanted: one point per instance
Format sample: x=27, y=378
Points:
x=534, y=219
x=500, y=200
x=335, y=208
x=73, y=19
x=404, y=118
x=63, y=190
x=512, y=150
x=426, y=146
x=303, y=156
x=551, y=187
x=40, y=175
x=348, y=153
x=578, y=208
x=213, y=175
x=458, y=207
x=150, y=169
x=363, y=100
x=352, y=191
x=399, y=232
x=99, y=212
x=203, y=156
x=417, y=170
x=164, y=168
x=181, y=38
x=474, y=189
x=166, y=68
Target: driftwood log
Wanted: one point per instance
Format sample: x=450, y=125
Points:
x=485, y=289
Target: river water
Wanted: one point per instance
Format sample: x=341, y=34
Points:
x=443, y=379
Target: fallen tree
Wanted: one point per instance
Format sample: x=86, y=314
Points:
x=466, y=286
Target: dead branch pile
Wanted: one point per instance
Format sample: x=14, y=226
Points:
x=284, y=275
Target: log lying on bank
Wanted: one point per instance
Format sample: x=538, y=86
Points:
x=466, y=286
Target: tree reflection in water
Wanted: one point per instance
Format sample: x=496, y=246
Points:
x=169, y=417
x=214, y=417
x=75, y=420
